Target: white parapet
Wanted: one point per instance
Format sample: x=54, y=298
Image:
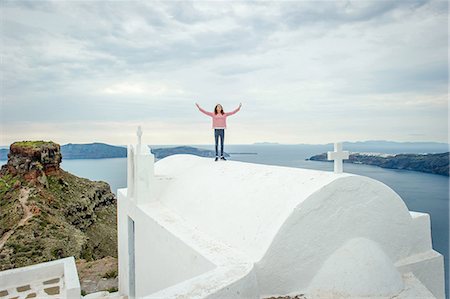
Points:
x=144, y=179
x=55, y=279
x=140, y=176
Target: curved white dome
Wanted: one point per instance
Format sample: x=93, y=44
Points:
x=358, y=268
x=241, y=204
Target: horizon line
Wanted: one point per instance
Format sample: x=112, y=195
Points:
x=255, y=143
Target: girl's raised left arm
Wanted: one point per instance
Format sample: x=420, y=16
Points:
x=234, y=111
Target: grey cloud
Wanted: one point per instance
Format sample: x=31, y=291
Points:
x=414, y=79
x=338, y=13
x=166, y=44
x=34, y=5
x=186, y=12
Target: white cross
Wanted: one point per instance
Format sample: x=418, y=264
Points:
x=139, y=134
x=338, y=156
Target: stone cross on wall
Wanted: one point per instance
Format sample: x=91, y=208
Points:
x=140, y=178
x=338, y=156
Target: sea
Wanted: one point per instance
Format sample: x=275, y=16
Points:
x=422, y=192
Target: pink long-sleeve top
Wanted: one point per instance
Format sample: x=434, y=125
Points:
x=219, y=121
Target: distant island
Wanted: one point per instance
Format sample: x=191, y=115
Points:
x=383, y=146
x=266, y=143
x=429, y=163
x=94, y=150
x=394, y=147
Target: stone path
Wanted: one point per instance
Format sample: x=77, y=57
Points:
x=301, y=296
x=27, y=214
x=98, y=275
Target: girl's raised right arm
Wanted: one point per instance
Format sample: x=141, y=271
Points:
x=204, y=111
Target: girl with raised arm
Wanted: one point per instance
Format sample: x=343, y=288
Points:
x=219, y=124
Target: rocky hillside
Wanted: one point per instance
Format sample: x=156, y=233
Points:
x=47, y=213
x=429, y=163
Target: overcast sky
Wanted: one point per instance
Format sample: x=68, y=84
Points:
x=305, y=72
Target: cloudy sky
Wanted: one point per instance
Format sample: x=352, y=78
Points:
x=305, y=72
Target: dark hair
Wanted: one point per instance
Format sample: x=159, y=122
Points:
x=215, y=109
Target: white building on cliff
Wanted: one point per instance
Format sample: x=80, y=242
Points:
x=193, y=228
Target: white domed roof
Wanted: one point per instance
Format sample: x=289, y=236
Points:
x=358, y=268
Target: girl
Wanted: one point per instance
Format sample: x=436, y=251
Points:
x=219, y=125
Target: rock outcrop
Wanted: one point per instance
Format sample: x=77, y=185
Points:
x=33, y=159
x=47, y=213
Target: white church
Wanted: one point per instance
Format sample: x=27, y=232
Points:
x=190, y=227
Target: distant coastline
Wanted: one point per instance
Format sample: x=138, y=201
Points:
x=98, y=150
x=428, y=163
x=104, y=151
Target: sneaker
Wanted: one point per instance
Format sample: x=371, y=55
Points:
x=223, y=158
x=217, y=158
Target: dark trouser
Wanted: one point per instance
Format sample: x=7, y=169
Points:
x=219, y=133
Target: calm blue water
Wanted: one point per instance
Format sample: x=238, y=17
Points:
x=421, y=192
